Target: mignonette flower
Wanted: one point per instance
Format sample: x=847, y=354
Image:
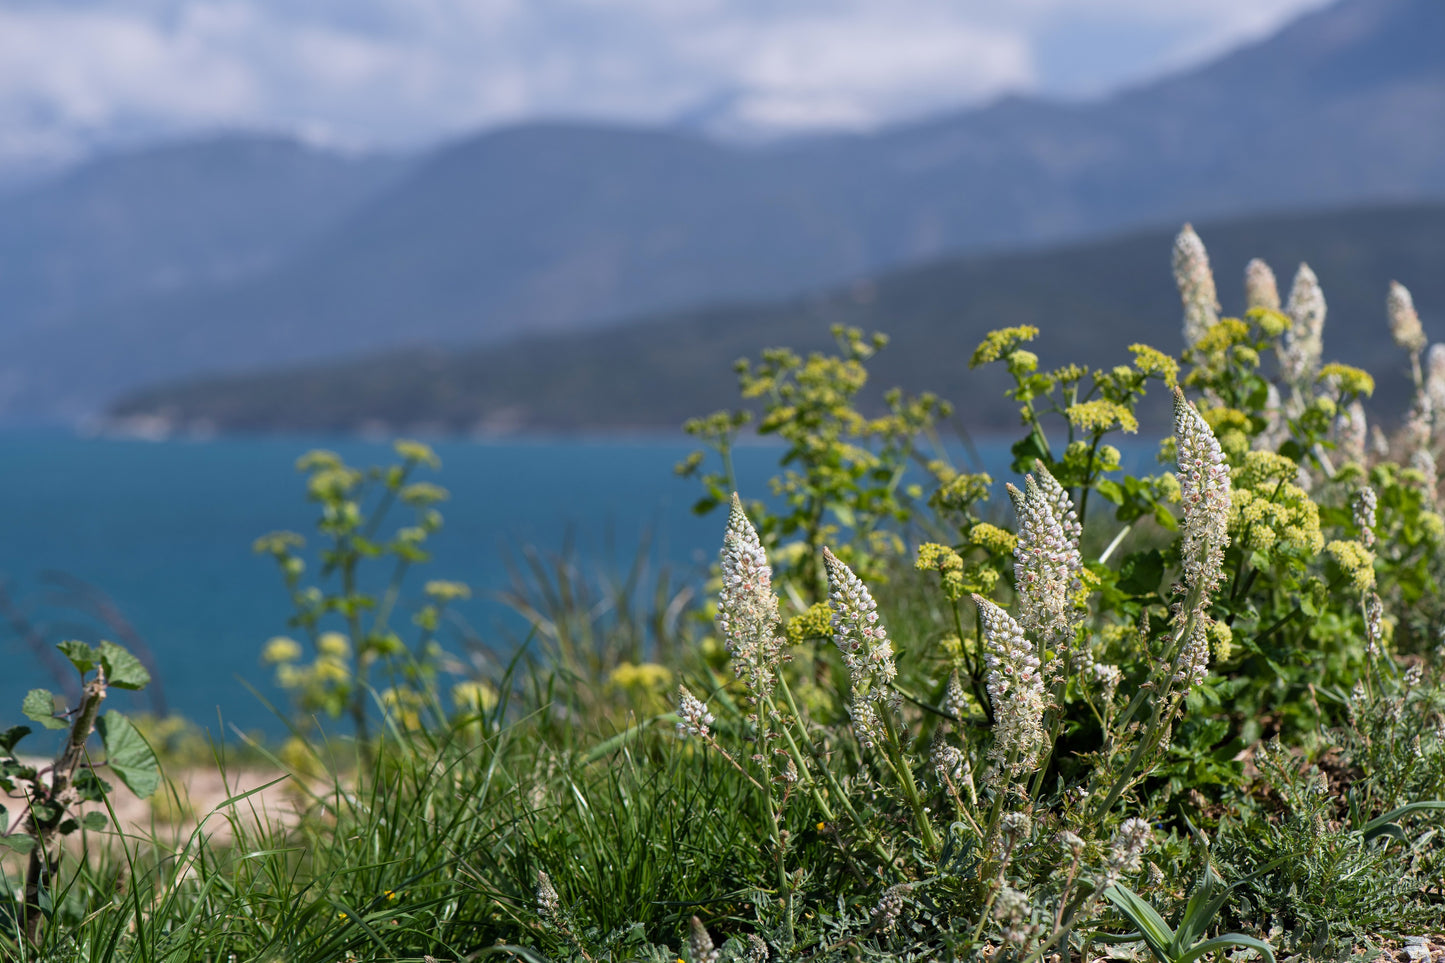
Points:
x=1016, y=690
x=1196, y=285
x=1194, y=656
x=890, y=906
x=1353, y=432
x=1046, y=559
x=549, y=904
x=1205, y=489
x=1374, y=624
x=694, y=718
x=699, y=944
x=1260, y=288
x=1128, y=846
x=1304, y=341
x=863, y=641
x=757, y=949
x=1363, y=505
x=1404, y=321
x=747, y=616
x=1435, y=376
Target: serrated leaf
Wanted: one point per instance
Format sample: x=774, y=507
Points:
x=81, y=655
x=39, y=705
x=19, y=843
x=128, y=754
x=122, y=670
x=95, y=821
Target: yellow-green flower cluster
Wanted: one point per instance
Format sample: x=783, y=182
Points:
x=1152, y=362
x=949, y=565
x=1356, y=560
x=1347, y=379
x=992, y=539
x=814, y=623
x=1099, y=415
x=1001, y=342
x=1271, y=322
x=1231, y=426
x=1269, y=510
x=647, y=677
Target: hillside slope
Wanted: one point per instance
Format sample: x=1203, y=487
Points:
x=1091, y=301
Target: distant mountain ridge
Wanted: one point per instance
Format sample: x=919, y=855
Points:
x=1089, y=300
x=563, y=226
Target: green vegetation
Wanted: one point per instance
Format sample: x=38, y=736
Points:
x=1191, y=712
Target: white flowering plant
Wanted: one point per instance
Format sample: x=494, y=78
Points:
x=1009, y=770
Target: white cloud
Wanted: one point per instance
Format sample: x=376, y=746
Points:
x=407, y=71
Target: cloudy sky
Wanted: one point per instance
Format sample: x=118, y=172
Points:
x=75, y=74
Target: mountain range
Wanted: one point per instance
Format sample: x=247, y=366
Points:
x=542, y=228
x=1090, y=301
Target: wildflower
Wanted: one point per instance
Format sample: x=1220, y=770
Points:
x=747, y=616
x=1205, y=487
x=693, y=716
x=1046, y=559
x=1363, y=505
x=700, y=945
x=1374, y=624
x=954, y=701
x=993, y=539
x=1194, y=655
x=1128, y=845
x=1353, y=432
x=949, y=565
x=1013, y=909
x=1196, y=285
x=1348, y=379
x=949, y=761
x=281, y=649
x=1435, y=376
x=1071, y=842
x=757, y=949
x=1152, y=361
x=1099, y=415
x=333, y=644
x=1015, y=688
x=1404, y=322
x=549, y=904
x=890, y=906
x=1000, y=343
x=1303, y=342
x=1260, y=288
x=863, y=641
x=1423, y=461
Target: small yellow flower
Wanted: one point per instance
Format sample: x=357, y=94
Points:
x=281, y=649
x=333, y=644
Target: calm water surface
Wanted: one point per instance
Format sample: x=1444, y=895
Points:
x=165, y=532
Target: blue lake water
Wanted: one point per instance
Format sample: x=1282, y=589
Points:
x=165, y=532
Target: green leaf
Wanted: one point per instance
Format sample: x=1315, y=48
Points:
x=1165, y=517
x=82, y=656
x=11, y=736
x=1204, y=903
x=91, y=787
x=1383, y=824
x=95, y=821
x=1110, y=489
x=19, y=843
x=1151, y=925
x=122, y=670
x=128, y=754
x=1224, y=942
x=1141, y=573
x=39, y=705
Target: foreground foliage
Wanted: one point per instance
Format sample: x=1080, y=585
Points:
x=1198, y=710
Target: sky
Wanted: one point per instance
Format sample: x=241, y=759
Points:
x=76, y=75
